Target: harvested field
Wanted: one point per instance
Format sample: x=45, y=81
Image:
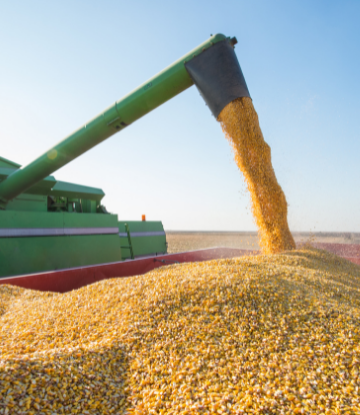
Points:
x=272, y=334
x=180, y=241
x=190, y=241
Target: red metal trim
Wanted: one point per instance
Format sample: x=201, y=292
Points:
x=70, y=279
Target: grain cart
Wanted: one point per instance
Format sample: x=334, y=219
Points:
x=47, y=224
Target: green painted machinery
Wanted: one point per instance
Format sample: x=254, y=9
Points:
x=57, y=225
x=46, y=224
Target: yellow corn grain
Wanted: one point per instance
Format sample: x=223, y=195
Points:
x=240, y=124
x=274, y=334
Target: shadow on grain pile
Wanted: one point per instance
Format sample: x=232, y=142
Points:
x=275, y=334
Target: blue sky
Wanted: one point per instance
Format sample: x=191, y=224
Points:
x=63, y=62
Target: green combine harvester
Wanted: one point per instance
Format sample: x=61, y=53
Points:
x=46, y=224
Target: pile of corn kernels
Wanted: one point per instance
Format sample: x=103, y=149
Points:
x=272, y=334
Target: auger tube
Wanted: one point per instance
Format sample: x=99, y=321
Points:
x=204, y=66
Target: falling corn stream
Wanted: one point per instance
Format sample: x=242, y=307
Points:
x=240, y=124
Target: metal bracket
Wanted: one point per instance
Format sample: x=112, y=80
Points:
x=164, y=261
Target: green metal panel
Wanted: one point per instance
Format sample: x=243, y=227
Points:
x=8, y=163
x=143, y=226
x=76, y=191
x=73, y=220
x=23, y=255
x=139, y=102
x=147, y=238
x=12, y=219
x=5, y=171
x=29, y=203
x=88, y=206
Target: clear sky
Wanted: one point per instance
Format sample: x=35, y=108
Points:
x=63, y=62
